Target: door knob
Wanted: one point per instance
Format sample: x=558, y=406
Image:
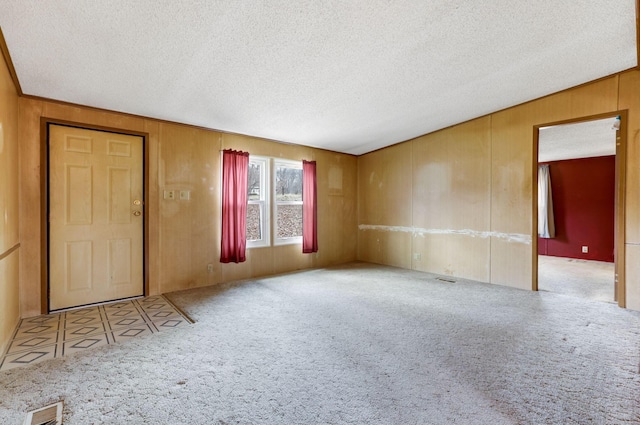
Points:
x=137, y=213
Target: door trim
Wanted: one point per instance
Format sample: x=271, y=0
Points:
x=621, y=184
x=45, y=123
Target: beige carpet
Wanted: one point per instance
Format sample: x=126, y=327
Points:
x=359, y=344
x=592, y=280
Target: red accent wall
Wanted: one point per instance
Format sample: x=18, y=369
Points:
x=583, y=205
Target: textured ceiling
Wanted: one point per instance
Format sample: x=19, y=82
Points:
x=350, y=76
x=578, y=140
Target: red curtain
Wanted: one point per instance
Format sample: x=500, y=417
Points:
x=235, y=169
x=309, y=208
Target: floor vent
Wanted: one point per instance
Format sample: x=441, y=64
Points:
x=48, y=415
x=444, y=279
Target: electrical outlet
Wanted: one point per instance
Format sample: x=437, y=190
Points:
x=417, y=256
x=210, y=268
x=585, y=249
x=169, y=194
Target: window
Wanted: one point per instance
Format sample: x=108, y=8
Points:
x=288, y=202
x=257, y=205
x=283, y=201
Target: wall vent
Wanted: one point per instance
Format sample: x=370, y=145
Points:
x=48, y=415
x=444, y=279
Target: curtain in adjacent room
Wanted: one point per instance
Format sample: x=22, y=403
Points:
x=235, y=169
x=546, y=225
x=309, y=208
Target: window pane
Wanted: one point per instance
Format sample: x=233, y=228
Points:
x=289, y=222
x=254, y=188
x=288, y=184
x=254, y=230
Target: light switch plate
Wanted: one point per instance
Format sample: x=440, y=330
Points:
x=185, y=195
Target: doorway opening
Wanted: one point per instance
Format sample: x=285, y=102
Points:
x=578, y=209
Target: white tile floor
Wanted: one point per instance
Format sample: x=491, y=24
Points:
x=58, y=334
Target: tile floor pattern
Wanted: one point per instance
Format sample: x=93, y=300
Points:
x=58, y=334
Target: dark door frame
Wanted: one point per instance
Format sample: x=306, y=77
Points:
x=45, y=123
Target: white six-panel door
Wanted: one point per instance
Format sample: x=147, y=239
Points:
x=95, y=216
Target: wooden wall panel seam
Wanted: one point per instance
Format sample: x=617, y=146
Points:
x=490, y=198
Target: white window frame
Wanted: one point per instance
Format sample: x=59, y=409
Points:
x=288, y=164
x=263, y=202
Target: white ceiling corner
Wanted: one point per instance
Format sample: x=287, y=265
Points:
x=350, y=76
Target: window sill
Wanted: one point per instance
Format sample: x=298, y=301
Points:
x=288, y=241
x=261, y=245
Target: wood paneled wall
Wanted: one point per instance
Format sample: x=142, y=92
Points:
x=9, y=218
x=459, y=201
x=629, y=98
x=456, y=202
x=184, y=236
